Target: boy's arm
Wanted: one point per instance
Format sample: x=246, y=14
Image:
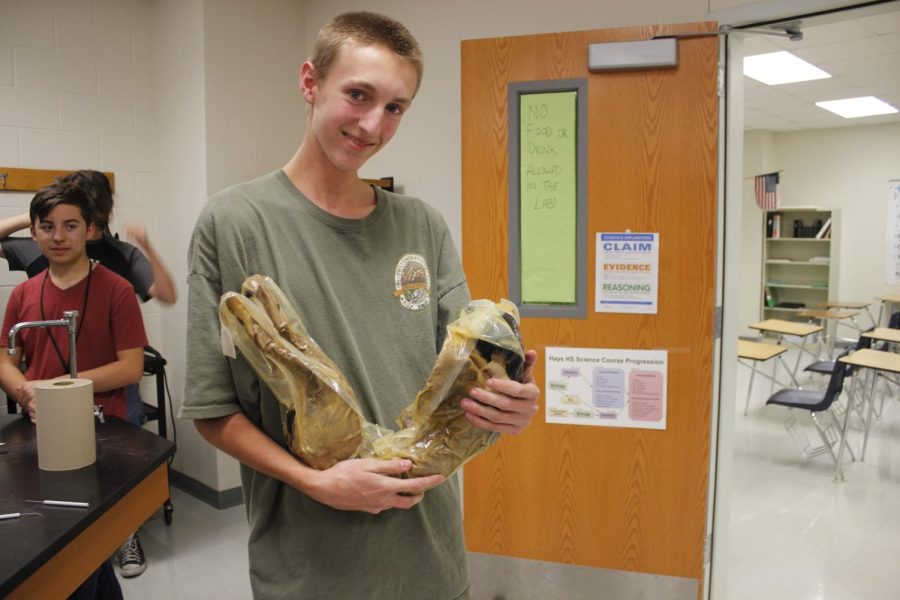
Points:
x=126, y=369
x=13, y=381
x=162, y=288
x=10, y=225
x=360, y=484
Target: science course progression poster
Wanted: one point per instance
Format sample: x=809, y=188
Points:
x=606, y=387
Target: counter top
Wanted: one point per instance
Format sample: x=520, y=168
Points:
x=130, y=463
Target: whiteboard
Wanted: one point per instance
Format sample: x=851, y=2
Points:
x=892, y=235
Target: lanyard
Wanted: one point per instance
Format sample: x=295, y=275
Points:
x=87, y=290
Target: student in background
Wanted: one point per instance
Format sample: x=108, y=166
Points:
x=110, y=336
x=139, y=264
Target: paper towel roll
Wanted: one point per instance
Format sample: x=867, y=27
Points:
x=64, y=411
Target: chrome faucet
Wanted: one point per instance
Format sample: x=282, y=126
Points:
x=68, y=321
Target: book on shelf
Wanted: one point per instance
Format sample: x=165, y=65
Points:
x=790, y=305
x=770, y=299
x=825, y=230
x=820, y=259
x=776, y=226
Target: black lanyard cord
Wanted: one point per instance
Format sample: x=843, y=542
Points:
x=84, y=305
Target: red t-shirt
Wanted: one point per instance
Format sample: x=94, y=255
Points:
x=109, y=322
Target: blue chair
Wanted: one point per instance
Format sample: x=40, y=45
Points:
x=825, y=367
x=818, y=401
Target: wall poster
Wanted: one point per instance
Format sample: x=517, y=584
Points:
x=605, y=387
x=627, y=273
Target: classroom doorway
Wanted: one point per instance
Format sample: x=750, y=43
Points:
x=767, y=495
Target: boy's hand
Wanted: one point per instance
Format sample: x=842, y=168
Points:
x=137, y=234
x=505, y=406
x=25, y=398
x=371, y=485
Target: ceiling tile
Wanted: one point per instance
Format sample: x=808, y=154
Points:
x=863, y=57
x=832, y=33
x=870, y=46
x=882, y=24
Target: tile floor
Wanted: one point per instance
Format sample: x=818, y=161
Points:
x=203, y=554
x=794, y=534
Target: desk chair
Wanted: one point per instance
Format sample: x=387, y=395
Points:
x=751, y=354
x=889, y=380
x=825, y=367
x=816, y=401
x=883, y=346
x=155, y=364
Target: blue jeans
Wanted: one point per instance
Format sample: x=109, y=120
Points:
x=101, y=585
x=134, y=406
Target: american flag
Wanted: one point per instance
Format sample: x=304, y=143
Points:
x=766, y=187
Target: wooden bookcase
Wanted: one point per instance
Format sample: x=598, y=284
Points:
x=798, y=268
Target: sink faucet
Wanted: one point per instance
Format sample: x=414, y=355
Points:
x=68, y=321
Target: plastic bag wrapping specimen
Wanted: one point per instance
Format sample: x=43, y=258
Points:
x=482, y=343
x=321, y=419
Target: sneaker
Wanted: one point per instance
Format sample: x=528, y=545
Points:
x=130, y=557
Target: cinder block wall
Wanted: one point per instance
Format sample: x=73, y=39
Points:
x=76, y=92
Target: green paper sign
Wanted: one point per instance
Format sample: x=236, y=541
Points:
x=548, y=159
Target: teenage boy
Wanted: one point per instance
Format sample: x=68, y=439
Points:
x=110, y=331
x=138, y=263
x=144, y=270
x=342, y=252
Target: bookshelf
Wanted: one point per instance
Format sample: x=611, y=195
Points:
x=800, y=260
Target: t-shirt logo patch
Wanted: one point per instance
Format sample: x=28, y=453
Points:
x=412, y=282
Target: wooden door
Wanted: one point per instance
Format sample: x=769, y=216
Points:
x=623, y=499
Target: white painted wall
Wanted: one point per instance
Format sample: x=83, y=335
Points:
x=226, y=86
x=181, y=149
x=76, y=92
x=758, y=158
x=843, y=168
x=255, y=115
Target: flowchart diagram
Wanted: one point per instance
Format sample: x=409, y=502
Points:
x=606, y=387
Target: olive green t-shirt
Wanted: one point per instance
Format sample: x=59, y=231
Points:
x=376, y=294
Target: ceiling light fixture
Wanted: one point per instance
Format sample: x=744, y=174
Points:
x=776, y=68
x=851, y=108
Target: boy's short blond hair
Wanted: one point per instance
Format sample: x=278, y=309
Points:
x=367, y=29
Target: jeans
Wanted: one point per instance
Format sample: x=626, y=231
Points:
x=134, y=406
x=101, y=585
